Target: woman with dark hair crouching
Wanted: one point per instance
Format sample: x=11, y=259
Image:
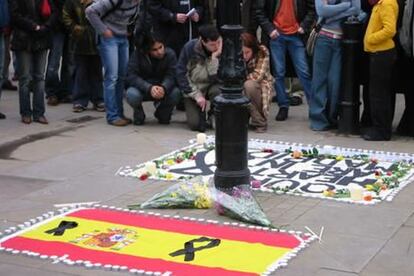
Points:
x=259, y=83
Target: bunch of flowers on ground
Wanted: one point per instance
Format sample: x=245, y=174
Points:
x=191, y=194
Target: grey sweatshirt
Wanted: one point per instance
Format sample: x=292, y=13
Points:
x=117, y=20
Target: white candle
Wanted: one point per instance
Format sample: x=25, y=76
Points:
x=356, y=192
x=201, y=138
x=151, y=168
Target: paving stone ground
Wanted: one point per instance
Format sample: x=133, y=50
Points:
x=76, y=161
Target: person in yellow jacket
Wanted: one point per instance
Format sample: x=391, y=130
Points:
x=379, y=44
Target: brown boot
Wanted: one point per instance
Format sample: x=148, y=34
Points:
x=52, y=101
x=26, y=120
x=41, y=120
x=119, y=122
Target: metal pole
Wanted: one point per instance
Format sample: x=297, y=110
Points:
x=231, y=113
x=348, y=122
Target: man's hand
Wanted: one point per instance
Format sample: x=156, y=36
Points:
x=217, y=53
x=202, y=103
x=301, y=30
x=108, y=33
x=181, y=18
x=78, y=29
x=274, y=34
x=195, y=17
x=157, y=92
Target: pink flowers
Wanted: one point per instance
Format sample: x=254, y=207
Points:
x=255, y=184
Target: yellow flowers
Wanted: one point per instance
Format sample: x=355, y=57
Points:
x=369, y=187
x=339, y=158
x=329, y=193
x=170, y=162
x=169, y=176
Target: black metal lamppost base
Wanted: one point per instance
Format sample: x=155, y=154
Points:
x=231, y=114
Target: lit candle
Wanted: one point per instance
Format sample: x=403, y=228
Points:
x=201, y=138
x=151, y=168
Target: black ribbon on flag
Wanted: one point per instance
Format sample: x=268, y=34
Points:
x=62, y=227
x=189, y=248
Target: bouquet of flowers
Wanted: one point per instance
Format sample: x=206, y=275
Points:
x=239, y=203
x=194, y=193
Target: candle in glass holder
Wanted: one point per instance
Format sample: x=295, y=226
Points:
x=201, y=138
x=151, y=168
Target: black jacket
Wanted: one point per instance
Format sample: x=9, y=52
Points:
x=164, y=13
x=24, y=18
x=265, y=10
x=144, y=72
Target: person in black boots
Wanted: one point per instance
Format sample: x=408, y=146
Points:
x=378, y=42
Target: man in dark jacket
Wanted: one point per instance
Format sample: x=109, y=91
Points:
x=284, y=24
x=197, y=76
x=32, y=26
x=173, y=22
x=59, y=75
x=150, y=77
x=88, y=68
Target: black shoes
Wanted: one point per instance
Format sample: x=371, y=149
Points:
x=139, y=116
x=282, y=114
x=8, y=85
x=2, y=116
x=373, y=135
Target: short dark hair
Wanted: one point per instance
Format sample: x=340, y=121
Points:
x=149, y=40
x=208, y=33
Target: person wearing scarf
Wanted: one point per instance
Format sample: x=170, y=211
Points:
x=380, y=46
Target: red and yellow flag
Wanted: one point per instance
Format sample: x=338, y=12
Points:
x=155, y=243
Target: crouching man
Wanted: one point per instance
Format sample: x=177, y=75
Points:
x=151, y=77
x=197, y=76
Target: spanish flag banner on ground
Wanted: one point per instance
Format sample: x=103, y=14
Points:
x=138, y=241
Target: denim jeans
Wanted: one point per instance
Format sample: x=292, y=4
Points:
x=326, y=81
x=88, y=80
x=59, y=86
x=293, y=44
x=31, y=72
x=1, y=59
x=164, y=107
x=114, y=55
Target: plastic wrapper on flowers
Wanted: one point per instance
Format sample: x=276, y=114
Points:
x=194, y=193
x=239, y=203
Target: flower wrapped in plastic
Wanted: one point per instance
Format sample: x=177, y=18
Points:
x=194, y=193
x=239, y=203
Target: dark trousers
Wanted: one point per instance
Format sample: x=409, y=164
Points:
x=88, y=80
x=380, y=91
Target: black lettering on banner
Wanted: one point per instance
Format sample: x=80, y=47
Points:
x=189, y=250
x=62, y=227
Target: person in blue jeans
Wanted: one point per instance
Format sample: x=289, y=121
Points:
x=284, y=24
x=151, y=77
x=111, y=20
x=32, y=24
x=327, y=61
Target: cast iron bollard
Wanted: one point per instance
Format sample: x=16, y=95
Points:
x=231, y=113
x=348, y=122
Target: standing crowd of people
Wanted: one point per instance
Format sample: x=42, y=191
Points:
x=168, y=52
